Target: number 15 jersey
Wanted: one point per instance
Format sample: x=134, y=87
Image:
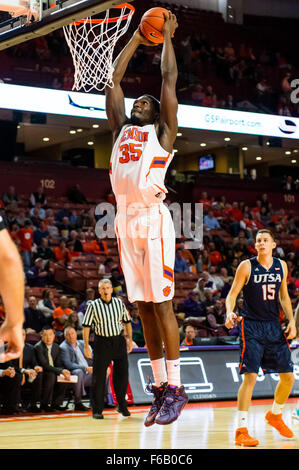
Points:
x=261, y=293
x=138, y=166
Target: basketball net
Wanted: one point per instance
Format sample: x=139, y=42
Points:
x=91, y=43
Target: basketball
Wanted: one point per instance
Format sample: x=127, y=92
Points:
x=152, y=23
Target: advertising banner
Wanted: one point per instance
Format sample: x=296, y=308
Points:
x=207, y=375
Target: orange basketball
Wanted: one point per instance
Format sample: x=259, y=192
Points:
x=151, y=24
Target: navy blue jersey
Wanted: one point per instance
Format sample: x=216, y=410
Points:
x=261, y=292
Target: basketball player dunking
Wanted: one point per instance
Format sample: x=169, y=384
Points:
x=262, y=340
x=142, y=151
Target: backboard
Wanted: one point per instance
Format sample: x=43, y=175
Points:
x=53, y=15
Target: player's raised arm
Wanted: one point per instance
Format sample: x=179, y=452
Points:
x=287, y=304
x=240, y=279
x=168, y=98
x=115, y=102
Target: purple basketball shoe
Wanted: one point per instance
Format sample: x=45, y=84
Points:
x=158, y=393
x=174, y=400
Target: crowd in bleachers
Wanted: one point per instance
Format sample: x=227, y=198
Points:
x=221, y=66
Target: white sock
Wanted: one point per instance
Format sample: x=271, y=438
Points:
x=174, y=372
x=159, y=371
x=242, y=419
x=277, y=408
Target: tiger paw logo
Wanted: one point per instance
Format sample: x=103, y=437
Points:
x=166, y=291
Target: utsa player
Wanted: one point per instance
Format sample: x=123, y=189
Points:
x=12, y=293
x=262, y=340
x=141, y=154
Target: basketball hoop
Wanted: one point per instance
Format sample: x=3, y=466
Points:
x=91, y=42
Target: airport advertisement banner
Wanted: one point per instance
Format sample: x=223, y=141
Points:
x=207, y=375
x=89, y=105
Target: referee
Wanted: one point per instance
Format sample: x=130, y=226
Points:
x=109, y=317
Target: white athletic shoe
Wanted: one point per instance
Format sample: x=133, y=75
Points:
x=295, y=414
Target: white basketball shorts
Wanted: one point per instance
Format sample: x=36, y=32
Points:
x=146, y=243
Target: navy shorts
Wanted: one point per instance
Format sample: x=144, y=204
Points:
x=264, y=344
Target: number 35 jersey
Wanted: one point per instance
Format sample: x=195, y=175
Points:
x=261, y=293
x=138, y=166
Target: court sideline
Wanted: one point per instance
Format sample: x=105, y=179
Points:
x=201, y=426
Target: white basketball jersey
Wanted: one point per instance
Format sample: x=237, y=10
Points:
x=138, y=166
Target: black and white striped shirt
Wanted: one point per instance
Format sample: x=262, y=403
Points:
x=106, y=317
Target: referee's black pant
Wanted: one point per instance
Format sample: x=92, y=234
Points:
x=106, y=350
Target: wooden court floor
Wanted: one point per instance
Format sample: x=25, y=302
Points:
x=200, y=426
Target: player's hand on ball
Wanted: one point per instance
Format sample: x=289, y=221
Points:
x=170, y=24
x=142, y=39
x=230, y=320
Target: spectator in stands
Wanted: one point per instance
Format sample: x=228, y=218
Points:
x=38, y=197
x=192, y=307
x=283, y=108
x=215, y=278
x=215, y=255
x=265, y=217
x=65, y=227
x=35, y=320
x=61, y=252
x=25, y=236
x=49, y=358
x=288, y=184
x=40, y=232
x=209, y=300
x=210, y=222
x=228, y=280
x=44, y=252
x=117, y=281
x=280, y=220
x=230, y=103
x=236, y=217
x=35, y=216
x=10, y=382
x=76, y=196
x=37, y=212
x=37, y=275
x=198, y=94
x=229, y=51
x=186, y=254
x=263, y=91
x=109, y=264
x=265, y=202
x=74, y=322
x=10, y=198
x=47, y=305
x=52, y=228
x=61, y=314
x=180, y=264
x=286, y=86
x=21, y=218
x=199, y=289
x=90, y=295
x=137, y=330
x=205, y=201
x=64, y=212
x=190, y=336
x=74, y=238
x=73, y=359
x=32, y=376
